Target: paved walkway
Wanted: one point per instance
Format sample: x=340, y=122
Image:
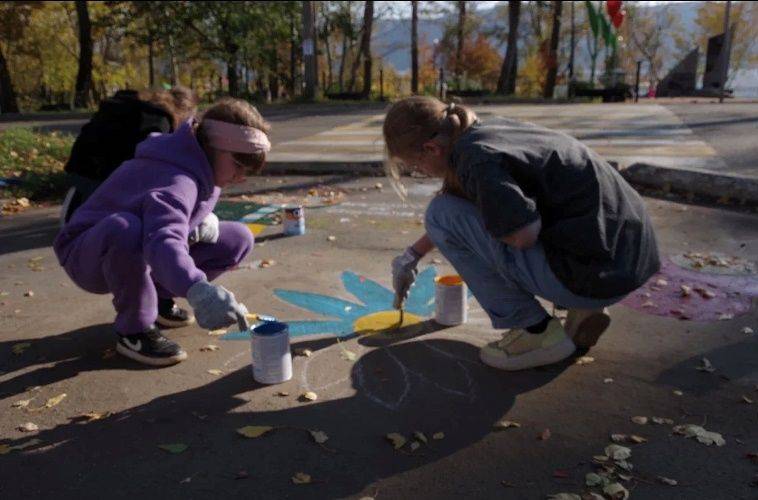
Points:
x=625, y=133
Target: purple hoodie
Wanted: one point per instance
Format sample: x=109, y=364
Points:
x=169, y=186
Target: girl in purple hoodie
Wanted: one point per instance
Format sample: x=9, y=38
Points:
x=148, y=231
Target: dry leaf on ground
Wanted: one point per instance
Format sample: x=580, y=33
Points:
x=319, y=436
x=677, y=392
x=209, y=348
x=592, y=479
x=725, y=316
x=625, y=438
x=90, y=417
x=282, y=394
x=617, y=452
x=615, y=491
x=331, y=238
x=54, y=401
x=505, y=424
x=173, y=448
x=217, y=333
x=5, y=449
x=215, y=371
x=303, y=352
x=438, y=435
x=686, y=291
x=415, y=445
x=545, y=435
x=254, y=431
x=668, y=481
x=608, y=380
x=705, y=366
x=747, y=400
x=301, y=478
x=704, y=436
x=309, y=396
x=661, y=421
x=397, y=440
x=421, y=437
x=28, y=427
x=23, y=403
x=584, y=360
x=19, y=348
x=564, y=496
x=661, y=282
x=640, y=420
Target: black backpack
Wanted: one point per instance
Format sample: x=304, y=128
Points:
x=111, y=136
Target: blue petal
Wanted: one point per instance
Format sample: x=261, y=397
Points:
x=368, y=291
x=236, y=336
x=302, y=328
x=421, y=296
x=322, y=304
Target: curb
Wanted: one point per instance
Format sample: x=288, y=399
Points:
x=694, y=182
x=371, y=168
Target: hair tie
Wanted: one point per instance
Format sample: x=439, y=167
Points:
x=450, y=108
x=236, y=138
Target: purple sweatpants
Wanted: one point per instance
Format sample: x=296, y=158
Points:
x=108, y=258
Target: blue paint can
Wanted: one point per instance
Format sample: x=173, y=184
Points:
x=293, y=221
x=270, y=346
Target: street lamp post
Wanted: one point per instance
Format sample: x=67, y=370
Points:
x=727, y=47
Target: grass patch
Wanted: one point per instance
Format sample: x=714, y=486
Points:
x=36, y=159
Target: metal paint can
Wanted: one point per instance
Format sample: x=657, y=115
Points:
x=450, y=300
x=293, y=220
x=270, y=345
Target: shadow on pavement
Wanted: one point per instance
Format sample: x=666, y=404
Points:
x=20, y=234
x=433, y=385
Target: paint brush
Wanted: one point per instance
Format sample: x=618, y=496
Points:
x=402, y=313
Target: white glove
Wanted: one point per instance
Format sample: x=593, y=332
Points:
x=207, y=231
x=215, y=307
x=404, y=274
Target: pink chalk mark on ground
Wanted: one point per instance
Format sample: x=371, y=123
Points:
x=733, y=294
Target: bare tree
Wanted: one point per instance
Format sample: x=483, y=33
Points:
x=461, y=37
x=648, y=29
x=84, y=75
x=368, y=21
x=552, y=56
x=414, y=47
x=506, y=84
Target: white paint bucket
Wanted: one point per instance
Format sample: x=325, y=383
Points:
x=450, y=300
x=270, y=344
x=293, y=220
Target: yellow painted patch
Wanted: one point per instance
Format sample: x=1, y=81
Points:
x=384, y=321
x=256, y=229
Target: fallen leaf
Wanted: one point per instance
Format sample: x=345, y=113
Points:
x=561, y=474
x=436, y=261
x=331, y=238
x=637, y=439
x=5, y=449
x=303, y=352
x=592, y=479
x=707, y=294
x=91, y=416
x=438, y=436
x=301, y=478
x=545, y=435
x=309, y=396
x=600, y=458
x=215, y=371
x=617, y=452
x=747, y=400
x=319, y=436
x=217, y=333
x=661, y=421
x=209, y=348
x=397, y=440
x=23, y=403
x=19, y=348
x=608, y=380
x=505, y=424
x=640, y=420
x=174, y=448
x=348, y=355
x=624, y=477
x=726, y=316
x=585, y=360
x=678, y=393
x=28, y=427
x=616, y=491
x=267, y=263
x=686, y=291
x=661, y=282
x=282, y=394
x=706, y=437
x=415, y=445
x=665, y=480
x=706, y=366
x=186, y=480
x=254, y=431
x=51, y=402
x=747, y=330
x=564, y=496
x=421, y=437
x=29, y=293
x=648, y=303
x=624, y=438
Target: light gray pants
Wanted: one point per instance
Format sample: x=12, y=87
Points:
x=503, y=279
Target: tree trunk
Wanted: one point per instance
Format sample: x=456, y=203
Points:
x=327, y=52
x=506, y=84
x=459, y=48
x=232, y=75
x=368, y=21
x=293, y=57
x=343, y=58
x=171, y=61
x=414, y=47
x=84, y=75
x=8, y=102
x=552, y=57
x=151, y=59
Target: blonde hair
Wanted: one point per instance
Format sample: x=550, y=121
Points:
x=240, y=112
x=411, y=122
x=180, y=102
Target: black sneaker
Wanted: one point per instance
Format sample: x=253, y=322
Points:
x=172, y=316
x=150, y=348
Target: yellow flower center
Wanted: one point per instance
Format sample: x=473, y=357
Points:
x=383, y=321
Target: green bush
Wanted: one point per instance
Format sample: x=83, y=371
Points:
x=36, y=159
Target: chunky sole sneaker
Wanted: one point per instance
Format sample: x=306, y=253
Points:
x=520, y=350
x=172, y=316
x=150, y=348
x=585, y=326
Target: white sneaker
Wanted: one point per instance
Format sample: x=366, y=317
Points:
x=585, y=326
x=519, y=349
